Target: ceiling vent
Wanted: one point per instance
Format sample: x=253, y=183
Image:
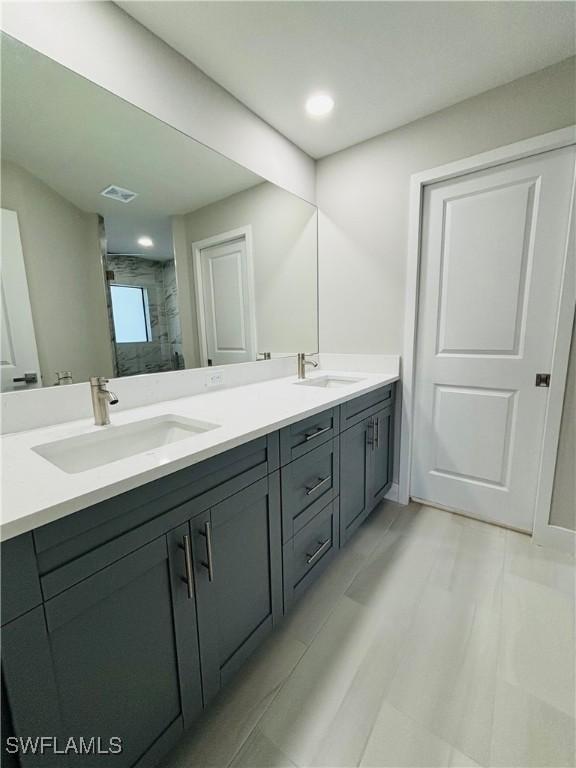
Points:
x=119, y=193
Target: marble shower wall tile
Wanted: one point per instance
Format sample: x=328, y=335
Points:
x=159, y=278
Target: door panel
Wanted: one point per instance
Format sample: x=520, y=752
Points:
x=18, y=352
x=355, y=445
x=118, y=654
x=381, y=456
x=493, y=250
x=461, y=415
x=237, y=543
x=487, y=252
x=226, y=305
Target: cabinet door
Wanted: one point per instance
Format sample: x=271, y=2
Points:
x=355, y=458
x=120, y=658
x=237, y=562
x=381, y=456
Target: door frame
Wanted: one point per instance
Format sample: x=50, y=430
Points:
x=245, y=233
x=543, y=533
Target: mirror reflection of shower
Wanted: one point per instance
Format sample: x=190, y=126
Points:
x=144, y=314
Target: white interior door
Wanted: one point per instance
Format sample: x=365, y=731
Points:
x=18, y=353
x=226, y=305
x=492, y=255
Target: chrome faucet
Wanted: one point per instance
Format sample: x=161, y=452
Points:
x=101, y=399
x=302, y=363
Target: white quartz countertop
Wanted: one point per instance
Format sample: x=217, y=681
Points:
x=36, y=492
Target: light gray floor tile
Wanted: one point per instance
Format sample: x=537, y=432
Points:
x=300, y=716
x=446, y=679
x=310, y=614
x=397, y=740
x=546, y=566
x=529, y=733
x=259, y=752
x=229, y=720
x=431, y=640
x=538, y=642
x=471, y=560
x=345, y=737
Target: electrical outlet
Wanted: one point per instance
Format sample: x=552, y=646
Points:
x=215, y=380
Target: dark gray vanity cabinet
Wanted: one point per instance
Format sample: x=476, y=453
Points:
x=116, y=655
x=381, y=455
x=355, y=470
x=126, y=618
x=238, y=575
x=366, y=455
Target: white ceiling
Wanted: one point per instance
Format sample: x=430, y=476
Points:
x=78, y=138
x=385, y=63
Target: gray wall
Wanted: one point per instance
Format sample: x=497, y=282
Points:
x=64, y=272
x=142, y=69
x=563, y=510
x=284, y=235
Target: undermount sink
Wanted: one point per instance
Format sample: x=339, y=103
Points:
x=328, y=382
x=78, y=454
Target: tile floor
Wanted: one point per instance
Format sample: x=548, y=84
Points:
x=432, y=640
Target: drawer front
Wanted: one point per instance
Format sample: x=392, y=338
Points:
x=309, y=552
x=308, y=484
x=202, y=484
x=304, y=436
x=95, y=560
x=360, y=407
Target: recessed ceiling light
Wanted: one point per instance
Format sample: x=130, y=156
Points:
x=319, y=104
x=145, y=241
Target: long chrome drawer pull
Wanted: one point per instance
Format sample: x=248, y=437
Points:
x=317, y=552
x=208, y=564
x=312, y=435
x=371, y=433
x=189, y=580
x=319, y=484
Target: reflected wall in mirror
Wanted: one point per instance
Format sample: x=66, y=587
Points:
x=129, y=248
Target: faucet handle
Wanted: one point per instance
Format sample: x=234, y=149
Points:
x=98, y=381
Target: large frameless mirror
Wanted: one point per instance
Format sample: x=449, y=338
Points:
x=129, y=248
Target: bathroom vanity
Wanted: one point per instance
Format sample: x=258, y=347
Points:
x=126, y=617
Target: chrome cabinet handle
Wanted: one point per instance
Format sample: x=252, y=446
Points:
x=377, y=428
x=321, y=547
x=189, y=580
x=319, y=484
x=371, y=433
x=312, y=435
x=208, y=564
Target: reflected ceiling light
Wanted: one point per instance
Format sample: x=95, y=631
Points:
x=319, y=104
x=145, y=241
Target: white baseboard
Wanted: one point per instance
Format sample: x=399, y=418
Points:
x=392, y=494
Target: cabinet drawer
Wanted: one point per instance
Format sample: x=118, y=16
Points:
x=302, y=437
x=308, y=484
x=202, y=484
x=309, y=552
x=360, y=407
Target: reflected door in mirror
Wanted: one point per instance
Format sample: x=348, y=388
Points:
x=18, y=354
x=224, y=295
